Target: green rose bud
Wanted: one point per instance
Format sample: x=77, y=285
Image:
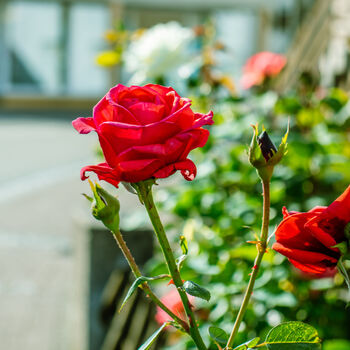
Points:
x=263, y=154
x=105, y=207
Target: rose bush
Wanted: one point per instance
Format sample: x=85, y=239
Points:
x=308, y=239
x=144, y=132
x=261, y=66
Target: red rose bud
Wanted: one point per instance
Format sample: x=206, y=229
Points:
x=312, y=240
x=105, y=207
x=263, y=154
x=144, y=132
x=268, y=149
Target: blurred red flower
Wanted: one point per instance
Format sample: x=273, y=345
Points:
x=260, y=66
x=173, y=301
x=308, y=239
x=144, y=132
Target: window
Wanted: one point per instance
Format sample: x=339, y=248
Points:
x=49, y=48
x=32, y=36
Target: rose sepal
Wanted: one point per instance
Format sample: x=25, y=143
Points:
x=263, y=154
x=344, y=246
x=342, y=270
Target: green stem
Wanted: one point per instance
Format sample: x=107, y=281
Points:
x=261, y=246
x=145, y=287
x=144, y=189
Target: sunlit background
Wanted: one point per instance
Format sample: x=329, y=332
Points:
x=57, y=59
x=48, y=48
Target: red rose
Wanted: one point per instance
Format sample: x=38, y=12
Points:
x=260, y=66
x=144, y=132
x=308, y=239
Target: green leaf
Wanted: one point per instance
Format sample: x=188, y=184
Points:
x=184, y=245
x=309, y=117
x=196, y=290
x=249, y=344
x=132, y=289
x=152, y=338
x=136, y=283
x=336, y=100
x=293, y=336
x=218, y=335
x=180, y=260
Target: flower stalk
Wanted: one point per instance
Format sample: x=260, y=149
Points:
x=105, y=207
x=144, y=286
x=144, y=190
x=261, y=247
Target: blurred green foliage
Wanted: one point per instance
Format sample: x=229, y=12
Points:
x=221, y=210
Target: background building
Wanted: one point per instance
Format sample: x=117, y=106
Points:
x=48, y=48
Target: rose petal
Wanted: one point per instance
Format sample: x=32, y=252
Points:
x=340, y=208
x=103, y=112
x=325, y=238
x=124, y=115
x=84, y=125
x=198, y=138
x=127, y=96
x=108, y=110
x=291, y=231
x=166, y=94
x=305, y=256
x=138, y=170
x=160, y=90
x=108, y=151
x=124, y=136
x=203, y=119
x=187, y=167
x=286, y=213
x=315, y=210
x=309, y=268
x=147, y=112
x=174, y=149
x=337, y=215
x=183, y=117
x=103, y=172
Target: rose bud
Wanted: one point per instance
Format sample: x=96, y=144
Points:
x=105, y=207
x=145, y=132
x=268, y=149
x=312, y=241
x=263, y=154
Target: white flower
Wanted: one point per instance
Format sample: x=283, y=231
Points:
x=163, y=51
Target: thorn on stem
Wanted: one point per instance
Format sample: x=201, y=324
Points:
x=253, y=242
